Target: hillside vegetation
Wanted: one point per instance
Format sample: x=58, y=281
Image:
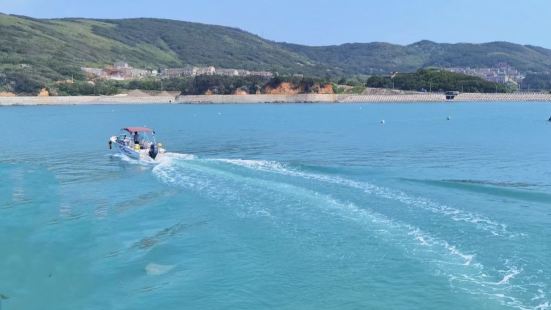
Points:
x=36, y=53
x=536, y=81
x=377, y=58
x=436, y=80
x=201, y=85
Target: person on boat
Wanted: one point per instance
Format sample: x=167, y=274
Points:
x=136, y=138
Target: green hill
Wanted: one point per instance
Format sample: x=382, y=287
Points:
x=375, y=58
x=35, y=52
x=39, y=51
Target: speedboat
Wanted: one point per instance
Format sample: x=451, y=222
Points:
x=137, y=143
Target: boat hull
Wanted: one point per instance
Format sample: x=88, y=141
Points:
x=125, y=150
x=142, y=154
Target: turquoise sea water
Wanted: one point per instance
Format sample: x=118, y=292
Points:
x=278, y=207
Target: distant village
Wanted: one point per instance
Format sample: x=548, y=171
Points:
x=121, y=71
x=502, y=73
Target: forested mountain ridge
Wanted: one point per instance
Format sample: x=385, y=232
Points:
x=41, y=51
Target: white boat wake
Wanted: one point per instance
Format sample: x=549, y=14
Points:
x=463, y=270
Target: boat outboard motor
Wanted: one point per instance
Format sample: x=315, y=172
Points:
x=153, y=151
x=110, y=144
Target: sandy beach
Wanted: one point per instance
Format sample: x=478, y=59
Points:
x=302, y=98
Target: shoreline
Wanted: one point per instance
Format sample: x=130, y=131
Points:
x=252, y=99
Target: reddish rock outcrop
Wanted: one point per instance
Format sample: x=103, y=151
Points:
x=287, y=88
x=284, y=88
x=6, y=94
x=326, y=89
x=44, y=93
x=240, y=92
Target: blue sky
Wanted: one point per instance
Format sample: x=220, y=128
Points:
x=324, y=22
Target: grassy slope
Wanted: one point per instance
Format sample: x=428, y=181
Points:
x=362, y=58
x=523, y=57
x=373, y=58
x=56, y=49
x=55, y=46
x=201, y=44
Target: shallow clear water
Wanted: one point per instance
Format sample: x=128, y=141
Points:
x=278, y=206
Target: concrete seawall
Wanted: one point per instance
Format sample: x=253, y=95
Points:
x=471, y=97
x=388, y=98
x=71, y=100
x=310, y=98
x=303, y=98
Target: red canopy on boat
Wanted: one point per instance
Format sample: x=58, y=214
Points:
x=133, y=130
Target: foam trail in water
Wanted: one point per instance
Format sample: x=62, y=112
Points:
x=190, y=178
x=219, y=180
x=459, y=267
x=508, y=277
x=180, y=156
x=132, y=161
x=148, y=162
x=480, y=221
x=462, y=269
